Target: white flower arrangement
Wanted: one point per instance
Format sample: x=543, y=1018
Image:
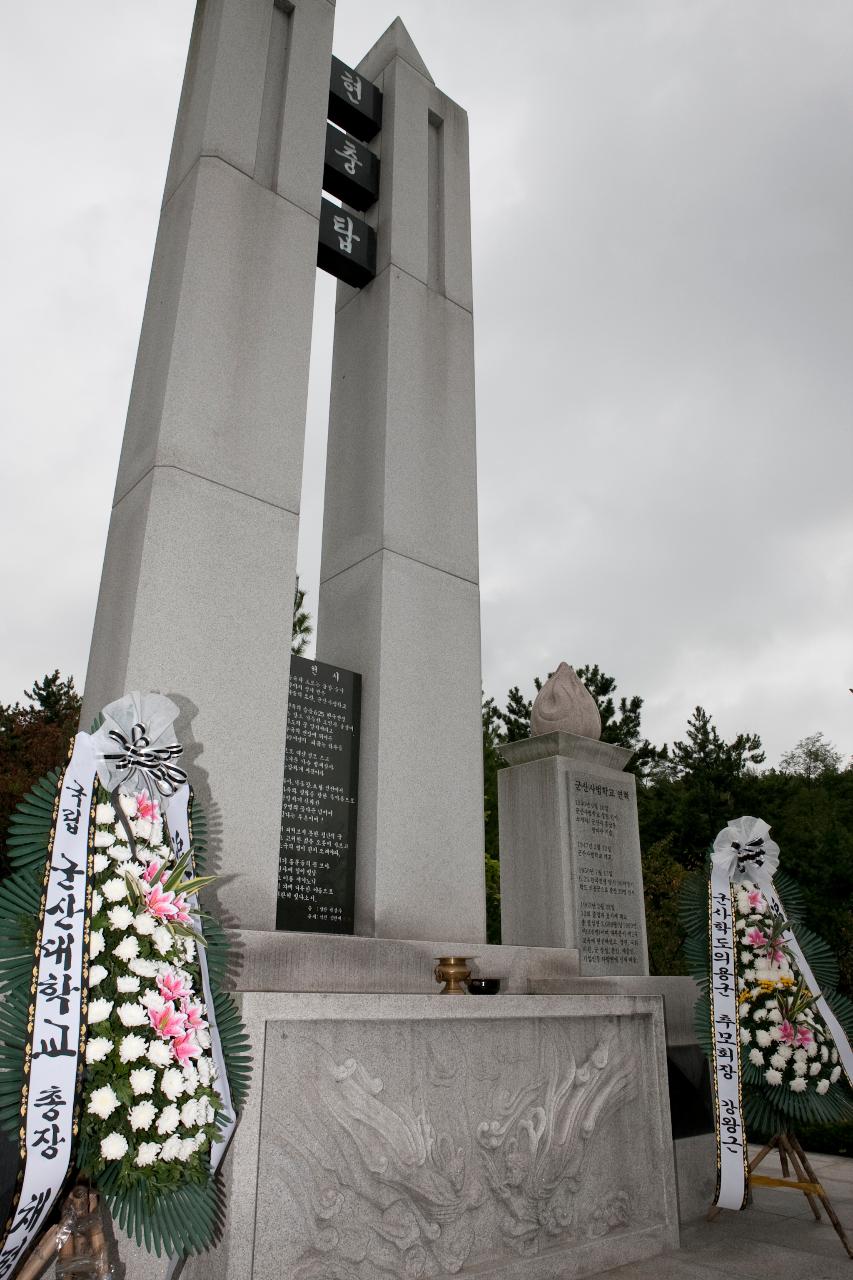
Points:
x=149, y=1073
x=776, y=1010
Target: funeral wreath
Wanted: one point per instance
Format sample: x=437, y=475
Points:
x=122, y=1061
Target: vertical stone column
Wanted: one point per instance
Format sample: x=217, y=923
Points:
x=197, y=586
x=399, y=594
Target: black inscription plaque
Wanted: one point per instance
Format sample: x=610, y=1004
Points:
x=347, y=245
x=354, y=103
x=350, y=171
x=316, y=868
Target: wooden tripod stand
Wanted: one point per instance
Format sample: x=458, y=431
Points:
x=806, y=1180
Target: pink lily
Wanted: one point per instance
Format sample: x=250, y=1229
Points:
x=756, y=900
x=786, y=1032
x=804, y=1037
x=778, y=956
x=185, y=1048
x=151, y=871
x=171, y=987
x=166, y=1021
x=756, y=938
x=147, y=806
x=161, y=904
x=182, y=912
x=193, y=1015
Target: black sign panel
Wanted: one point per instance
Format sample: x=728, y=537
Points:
x=347, y=246
x=354, y=103
x=316, y=868
x=350, y=171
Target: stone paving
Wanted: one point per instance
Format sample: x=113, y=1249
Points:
x=776, y=1238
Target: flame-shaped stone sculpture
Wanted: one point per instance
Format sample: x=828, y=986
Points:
x=565, y=705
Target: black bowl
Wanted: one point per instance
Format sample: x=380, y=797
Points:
x=484, y=986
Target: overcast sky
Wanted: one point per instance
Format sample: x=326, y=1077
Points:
x=663, y=270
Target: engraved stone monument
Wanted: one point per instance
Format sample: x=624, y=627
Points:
x=571, y=873
x=389, y=1132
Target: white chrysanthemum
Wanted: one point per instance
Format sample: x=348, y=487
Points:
x=96, y=943
x=142, y=1080
x=800, y=1068
x=775, y=1031
x=773, y=1077
x=132, y=1014
x=100, y=863
x=824, y=1053
x=811, y=1049
x=171, y=1148
x=743, y=902
x=120, y=917
x=822, y=1086
x=834, y=1074
x=799, y=1055
x=120, y=852
x=763, y=1038
x=155, y=839
x=159, y=1053
x=189, y=1113
x=141, y=828
x=190, y=1078
x=814, y=1069
x=97, y=973
x=168, y=1119
x=202, y=1036
x=113, y=1146
x=745, y=957
x=206, y=1112
x=188, y=1149
x=102, y=1102
x=773, y=1015
x=127, y=983
x=172, y=1083
x=777, y=1061
x=153, y=1000
x=756, y=1057
x=105, y=815
x=798, y=1085
x=147, y=1153
x=163, y=940
x=103, y=839
x=144, y=924
x=127, y=949
x=97, y=1049
x=115, y=889
x=785, y=1051
x=99, y=1010
x=833, y=1055
x=131, y=1048
x=128, y=804
x=760, y=1015
x=189, y=949
x=145, y=968
x=745, y=1037
x=142, y=1115
x=97, y=902
x=207, y=1071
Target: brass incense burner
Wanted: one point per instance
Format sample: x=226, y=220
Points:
x=453, y=971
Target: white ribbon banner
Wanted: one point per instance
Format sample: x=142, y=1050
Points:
x=732, y=1169
x=60, y=980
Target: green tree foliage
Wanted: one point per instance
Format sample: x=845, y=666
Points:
x=302, y=626
x=34, y=738
x=811, y=757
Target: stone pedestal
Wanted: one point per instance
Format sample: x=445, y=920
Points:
x=399, y=594
x=423, y=1135
x=571, y=874
x=197, y=587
